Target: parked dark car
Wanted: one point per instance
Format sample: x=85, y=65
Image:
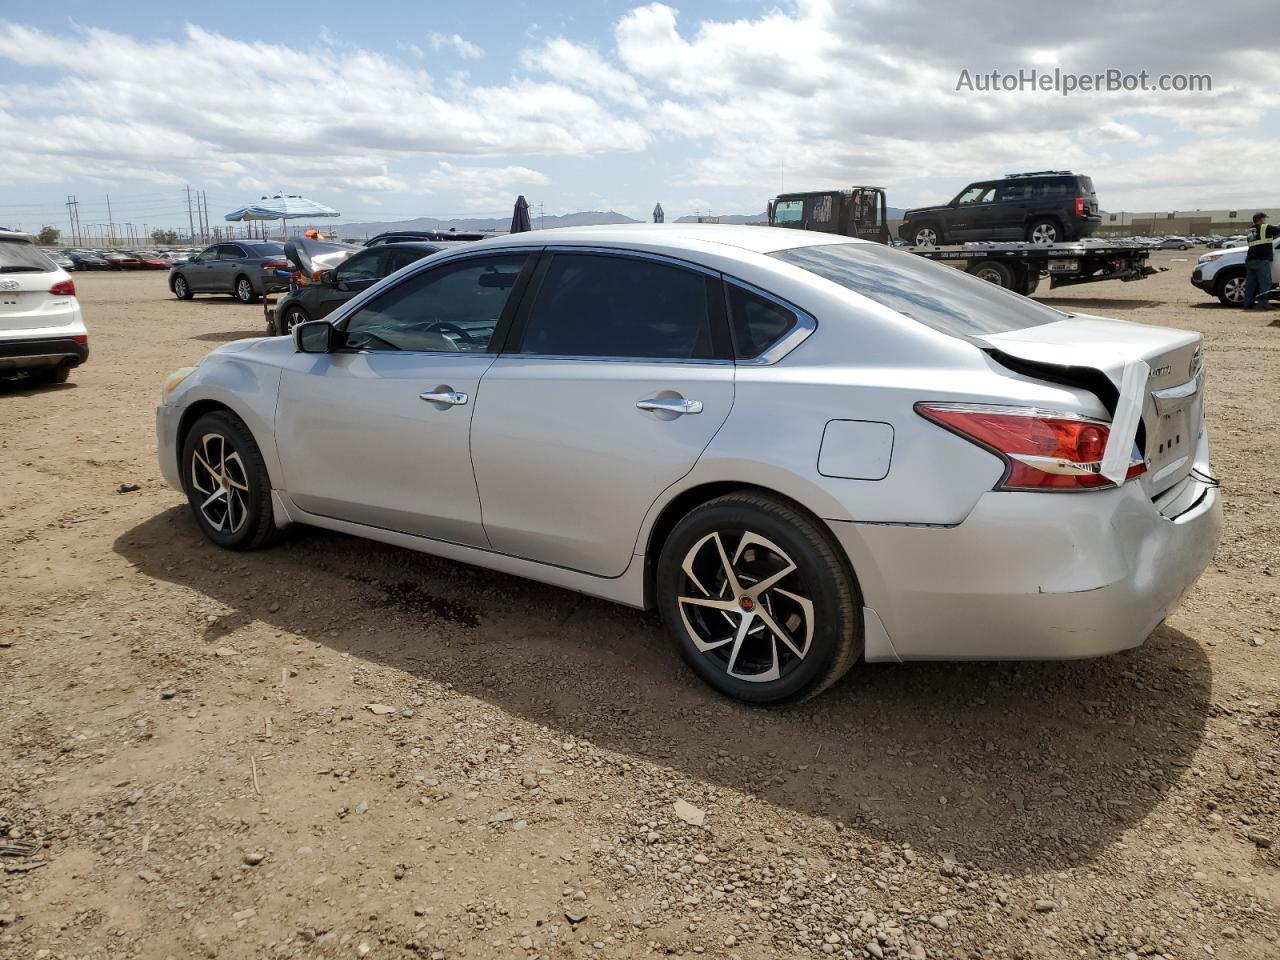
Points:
x=425, y=236
x=320, y=287
x=246, y=269
x=121, y=261
x=84, y=260
x=1051, y=206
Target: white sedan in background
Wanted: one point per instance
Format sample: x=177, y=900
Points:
x=802, y=449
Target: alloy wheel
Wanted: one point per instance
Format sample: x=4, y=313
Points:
x=1233, y=289
x=219, y=477
x=745, y=605
x=180, y=287
x=926, y=237
x=1044, y=233
x=244, y=290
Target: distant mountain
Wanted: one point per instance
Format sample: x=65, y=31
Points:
x=479, y=224
x=732, y=218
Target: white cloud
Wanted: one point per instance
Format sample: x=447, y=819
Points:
x=465, y=48
x=583, y=67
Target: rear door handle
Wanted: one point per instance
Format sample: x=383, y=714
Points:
x=451, y=397
x=681, y=406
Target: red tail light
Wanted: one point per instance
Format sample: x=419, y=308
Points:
x=1042, y=450
x=63, y=288
x=80, y=338
x=277, y=265
x=1079, y=206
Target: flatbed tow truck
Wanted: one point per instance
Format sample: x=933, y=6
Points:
x=862, y=212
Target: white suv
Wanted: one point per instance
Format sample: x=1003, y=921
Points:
x=41, y=330
x=1221, y=274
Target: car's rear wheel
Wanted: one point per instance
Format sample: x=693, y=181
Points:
x=993, y=271
x=1043, y=232
x=759, y=600
x=226, y=482
x=181, y=289
x=244, y=290
x=1231, y=289
x=927, y=235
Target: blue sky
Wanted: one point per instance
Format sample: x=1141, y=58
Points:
x=451, y=109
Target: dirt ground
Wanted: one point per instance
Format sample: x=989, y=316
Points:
x=335, y=748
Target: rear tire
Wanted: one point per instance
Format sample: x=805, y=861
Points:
x=781, y=644
x=1230, y=289
x=226, y=482
x=993, y=271
x=1044, y=232
x=181, y=288
x=57, y=374
x=928, y=235
x=244, y=290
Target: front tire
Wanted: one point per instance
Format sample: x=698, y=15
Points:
x=291, y=318
x=759, y=600
x=1230, y=289
x=244, y=290
x=181, y=288
x=226, y=482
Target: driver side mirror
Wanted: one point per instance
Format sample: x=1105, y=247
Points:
x=317, y=336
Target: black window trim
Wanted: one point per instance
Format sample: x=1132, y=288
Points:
x=719, y=316
x=242, y=255
x=361, y=300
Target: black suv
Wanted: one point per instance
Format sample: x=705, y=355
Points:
x=1051, y=206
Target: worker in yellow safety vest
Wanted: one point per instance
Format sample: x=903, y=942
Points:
x=1257, y=263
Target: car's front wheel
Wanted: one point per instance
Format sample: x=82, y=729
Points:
x=759, y=600
x=226, y=482
x=291, y=318
x=181, y=289
x=244, y=290
x=1231, y=289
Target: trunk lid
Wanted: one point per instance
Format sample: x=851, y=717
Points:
x=312, y=256
x=1157, y=378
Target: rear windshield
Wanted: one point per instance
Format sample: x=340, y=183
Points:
x=17, y=257
x=1086, y=185
x=266, y=248
x=944, y=298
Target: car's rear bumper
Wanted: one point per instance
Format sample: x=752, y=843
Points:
x=1033, y=576
x=41, y=353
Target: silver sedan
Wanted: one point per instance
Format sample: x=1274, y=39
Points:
x=802, y=450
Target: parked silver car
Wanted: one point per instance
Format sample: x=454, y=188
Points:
x=802, y=449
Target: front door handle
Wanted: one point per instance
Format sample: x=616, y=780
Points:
x=679, y=407
x=452, y=397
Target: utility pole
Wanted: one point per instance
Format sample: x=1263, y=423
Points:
x=110, y=219
x=204, y=208
x=191, y=227
x=73, y=217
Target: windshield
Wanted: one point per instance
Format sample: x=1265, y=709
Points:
x=940, y=297
x=19, y=257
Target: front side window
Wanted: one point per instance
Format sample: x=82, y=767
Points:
x=941, y=297
x=977, y=194
x=598, y=305
x=788, y=211
x=452, y=309
x=207, y=255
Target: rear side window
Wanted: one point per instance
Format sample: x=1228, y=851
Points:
x=597, y=305
x=23, y=258
x=757, y=322
x=944, y=298
x=230, y=251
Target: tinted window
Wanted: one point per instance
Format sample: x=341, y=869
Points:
x=822, y=209
x=617, y=306
x=1086, y=185
x=395, y=259
x=23, y=258
x=265, y=248
x=451, y=309
x=229, y=251
x=758, y=323
x=940, y=297
x=1015, y=190
x=363, y=266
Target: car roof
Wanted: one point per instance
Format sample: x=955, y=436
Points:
x=674, y=236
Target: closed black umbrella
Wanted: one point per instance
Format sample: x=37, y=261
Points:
x=658, y=215
x=520, y=216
